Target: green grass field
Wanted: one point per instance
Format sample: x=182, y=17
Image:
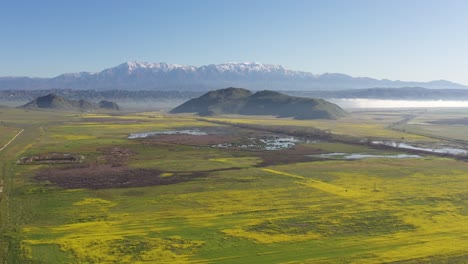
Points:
x=358, y=125
x=229, y=206
x=421, y=124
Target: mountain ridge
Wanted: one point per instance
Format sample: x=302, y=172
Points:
x=135, y=75
x=172, y=98
x=52, y=101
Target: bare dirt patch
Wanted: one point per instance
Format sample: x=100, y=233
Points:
x=107, y=176
x=116, y=156
x=192, y=140
x=51, y=158
x=111, y=172
x=115, y=174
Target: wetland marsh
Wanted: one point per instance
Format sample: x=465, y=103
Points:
x=176, y=197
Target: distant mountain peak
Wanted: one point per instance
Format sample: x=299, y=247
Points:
x=135, y=75
x=160, y=66
x=250, y=67
x=50, y=96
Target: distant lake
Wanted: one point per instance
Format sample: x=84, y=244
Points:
x=379, y=103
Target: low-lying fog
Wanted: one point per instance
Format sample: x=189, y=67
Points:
x=156, y=105
x=379, y=103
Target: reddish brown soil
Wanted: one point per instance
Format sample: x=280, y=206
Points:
x=106, y=176
x=116, y=155
x=116, y=174
x=109, y=176
x=48, y=158
x=192, y=140
x=270, y=157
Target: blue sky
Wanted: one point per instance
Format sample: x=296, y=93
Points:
x=416, y=40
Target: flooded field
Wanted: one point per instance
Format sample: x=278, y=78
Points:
x=354, y=156
x=439, y=149
x=194, y=132
x=222, y=138
x=266, y=143
x=279, y=143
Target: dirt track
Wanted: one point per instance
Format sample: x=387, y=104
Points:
x=13, y=139
x=6, y=145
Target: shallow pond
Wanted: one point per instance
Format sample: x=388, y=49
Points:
x=279, y=143
x=194, y=132
x=263, y=142
x=442, y=150
x=273, y=143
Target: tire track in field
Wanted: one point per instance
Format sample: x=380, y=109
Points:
x=312, y=183
x=13, y=139
x=319, y=185
x=6, y=145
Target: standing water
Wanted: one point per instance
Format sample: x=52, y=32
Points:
x=441, y=150
x=194, y=132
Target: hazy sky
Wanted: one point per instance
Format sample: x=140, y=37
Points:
x=417, y=40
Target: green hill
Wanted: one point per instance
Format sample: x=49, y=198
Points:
x=108, y=105
x=242, y=101
x=55, y=102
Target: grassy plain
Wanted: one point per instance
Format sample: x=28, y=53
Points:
x=362, y=125
x=422, y=125
x=235, y=208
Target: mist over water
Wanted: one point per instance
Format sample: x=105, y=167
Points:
x=379, y=103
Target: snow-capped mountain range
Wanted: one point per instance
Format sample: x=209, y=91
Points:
x=251, y=75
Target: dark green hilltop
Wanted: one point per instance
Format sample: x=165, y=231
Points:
x=55, y=102
x=108, y=105
x=244, y=102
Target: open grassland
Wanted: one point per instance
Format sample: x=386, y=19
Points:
x=440, y=123
x=6, y=134
x=361, y=125
x=459, y=132
x=202, y=204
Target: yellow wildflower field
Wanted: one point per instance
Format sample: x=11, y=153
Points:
x=203, y=204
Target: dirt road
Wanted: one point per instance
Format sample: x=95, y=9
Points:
x=6, y=145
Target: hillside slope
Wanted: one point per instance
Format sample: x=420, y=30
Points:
x=243, y=102
x=55, y=102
